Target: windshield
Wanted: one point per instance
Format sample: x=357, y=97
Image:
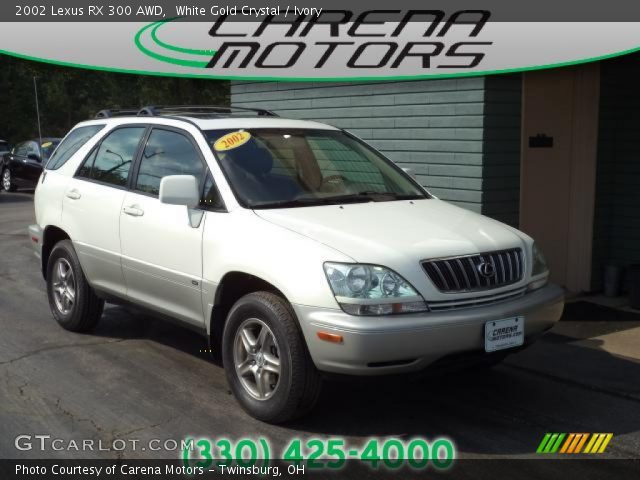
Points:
x=47, y=147
x=280, y=168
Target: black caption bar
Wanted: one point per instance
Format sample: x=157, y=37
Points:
x=256, y=10
x=522, y=469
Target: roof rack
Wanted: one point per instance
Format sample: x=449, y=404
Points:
x=200, y=111
x=117, y=112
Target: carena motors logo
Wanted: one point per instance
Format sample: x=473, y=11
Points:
x=330, y=43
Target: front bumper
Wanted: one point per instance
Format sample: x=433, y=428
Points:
x=36, y=237
x=405, y=343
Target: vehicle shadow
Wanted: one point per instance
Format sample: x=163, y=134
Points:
x=127, y=323
x=504, y=410
x=21, y=196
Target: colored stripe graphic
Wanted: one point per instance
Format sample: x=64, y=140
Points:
x=598, y=442
x=551, y=443
x=573, y=443
x=552, y=440
x=566, y=444
x=592, y=440
x=592, y=443
x=544, y=441
x=557, y=443
x=605, y=442
x=581, y=442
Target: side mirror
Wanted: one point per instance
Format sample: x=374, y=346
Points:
x=34, y=156
x=410, y=172
x=179, y=190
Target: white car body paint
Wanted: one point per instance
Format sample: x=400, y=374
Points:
x=134, y=247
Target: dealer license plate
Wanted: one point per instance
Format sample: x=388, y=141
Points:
x=501, y=334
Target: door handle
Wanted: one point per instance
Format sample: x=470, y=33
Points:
x=133, y=211
x=73, y=194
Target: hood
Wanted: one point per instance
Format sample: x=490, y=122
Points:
x=381, y=232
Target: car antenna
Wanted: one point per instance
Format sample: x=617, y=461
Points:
x=35, y=88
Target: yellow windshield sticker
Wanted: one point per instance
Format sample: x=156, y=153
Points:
x=231, y=140
x=46, y=144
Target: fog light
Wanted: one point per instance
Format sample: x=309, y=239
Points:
x=536, y=284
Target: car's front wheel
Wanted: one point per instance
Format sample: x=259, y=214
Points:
x=72, y=301
x=266, y=360
x=7, y=181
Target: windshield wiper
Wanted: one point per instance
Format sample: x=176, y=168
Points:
x=360, y=197
x=377, y=196
x=374, y=194
x=310, y=201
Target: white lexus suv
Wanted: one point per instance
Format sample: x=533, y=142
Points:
x=295, y=247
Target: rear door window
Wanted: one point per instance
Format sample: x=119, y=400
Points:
x=111, y=161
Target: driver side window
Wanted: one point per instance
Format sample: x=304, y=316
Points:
x=20, y=150
x=32, y=147
x=167, y=153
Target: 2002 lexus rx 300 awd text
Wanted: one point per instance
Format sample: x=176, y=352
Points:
x=296, y=248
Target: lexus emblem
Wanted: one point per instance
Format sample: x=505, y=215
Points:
x=486, y=269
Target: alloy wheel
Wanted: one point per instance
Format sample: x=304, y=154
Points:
x=6, y=180
x=64, y=286
x=256, y=358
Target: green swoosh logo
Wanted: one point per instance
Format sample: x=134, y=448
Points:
x=155, y=26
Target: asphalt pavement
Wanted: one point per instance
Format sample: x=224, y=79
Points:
x=137, y=377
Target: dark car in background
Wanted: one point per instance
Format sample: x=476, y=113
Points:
x=22, y=166
x=5, y=147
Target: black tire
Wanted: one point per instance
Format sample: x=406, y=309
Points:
x=86, y=309
x=8, y=181
x=299, y=383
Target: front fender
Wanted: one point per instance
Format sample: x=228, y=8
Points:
x=241, y=241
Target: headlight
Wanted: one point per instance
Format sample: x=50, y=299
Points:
x=539, y=268
x=372, y=290
x=539, y=262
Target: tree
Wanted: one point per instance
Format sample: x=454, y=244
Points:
x=68, y=95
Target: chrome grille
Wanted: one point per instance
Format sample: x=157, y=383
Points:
x=476, y=272
x=438, y=306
